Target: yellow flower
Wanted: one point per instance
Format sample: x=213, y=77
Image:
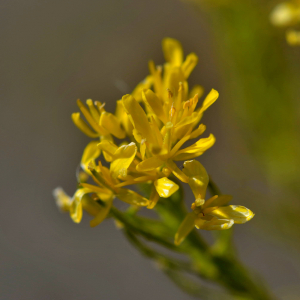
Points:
x=158, y=122
x=161, y=128
x=210, y=214
x=287, y=14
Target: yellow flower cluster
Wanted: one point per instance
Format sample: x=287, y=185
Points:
x=158, y=122
x=287, y=14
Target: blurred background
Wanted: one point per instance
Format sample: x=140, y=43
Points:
x=53, y=52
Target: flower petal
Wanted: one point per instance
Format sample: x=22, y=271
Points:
x=103, y=193
x=90, y=119
x=209, y=100
x=239, y=214
x=173, y=78
x=165, y=187
x=122, y=159
x=91, y=152
x=76, y=206
x=111, y=123
x=197, y=89
x=83, y=126
x=123, y=117
x=198, y=177
x=189, y=64
x=198, y=131
x=196, y=149
x=154, y=103
x=176, y=171
x=214, y=224
x=94, y=112
x=108, y=148
x=153, y=199
x=132, y=197
x=138, y=117
x=149, y=164
x=145, y=84
x=185, y=228
x=220, y=200
x=173, y=51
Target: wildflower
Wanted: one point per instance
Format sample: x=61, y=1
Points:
x=211, y=214
x=160, y=129
x=158, y=123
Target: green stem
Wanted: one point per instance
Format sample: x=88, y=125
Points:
x=211, y=263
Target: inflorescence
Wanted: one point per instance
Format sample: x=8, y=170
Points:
x=158, y=117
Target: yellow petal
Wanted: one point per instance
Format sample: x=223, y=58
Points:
x=197, y=131
x=90, y=119
x=110, y=122
x=102, y=214
x=197, y=89
x=153, y=199
x=123, y=117
x=176, y=171
x=187, y=156
x=188, y=120
x=144, y=178
x=94, y=112
x=91, y=152
x=149, y=164
x=209, y=100
x=103, y=193
x=122, y=159
x=83, y=126
x=143, y=148
x=138, y=117
x=109, y=148
x=172, y=51
x=213, y=224
x=239, y=214
x=76, y=206
x=156, y=76
x=63, y=201
x=165, y=187
x=185, y=228
x=132, y=198
x=197, y=149
x=145, y=84
x=220, y=200
x=189, y=64
x=198, y=177
x=173, y=78
x=154, y=103
x=76, y=211
x=178, y=145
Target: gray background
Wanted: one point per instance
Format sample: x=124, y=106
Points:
x=53, y=52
